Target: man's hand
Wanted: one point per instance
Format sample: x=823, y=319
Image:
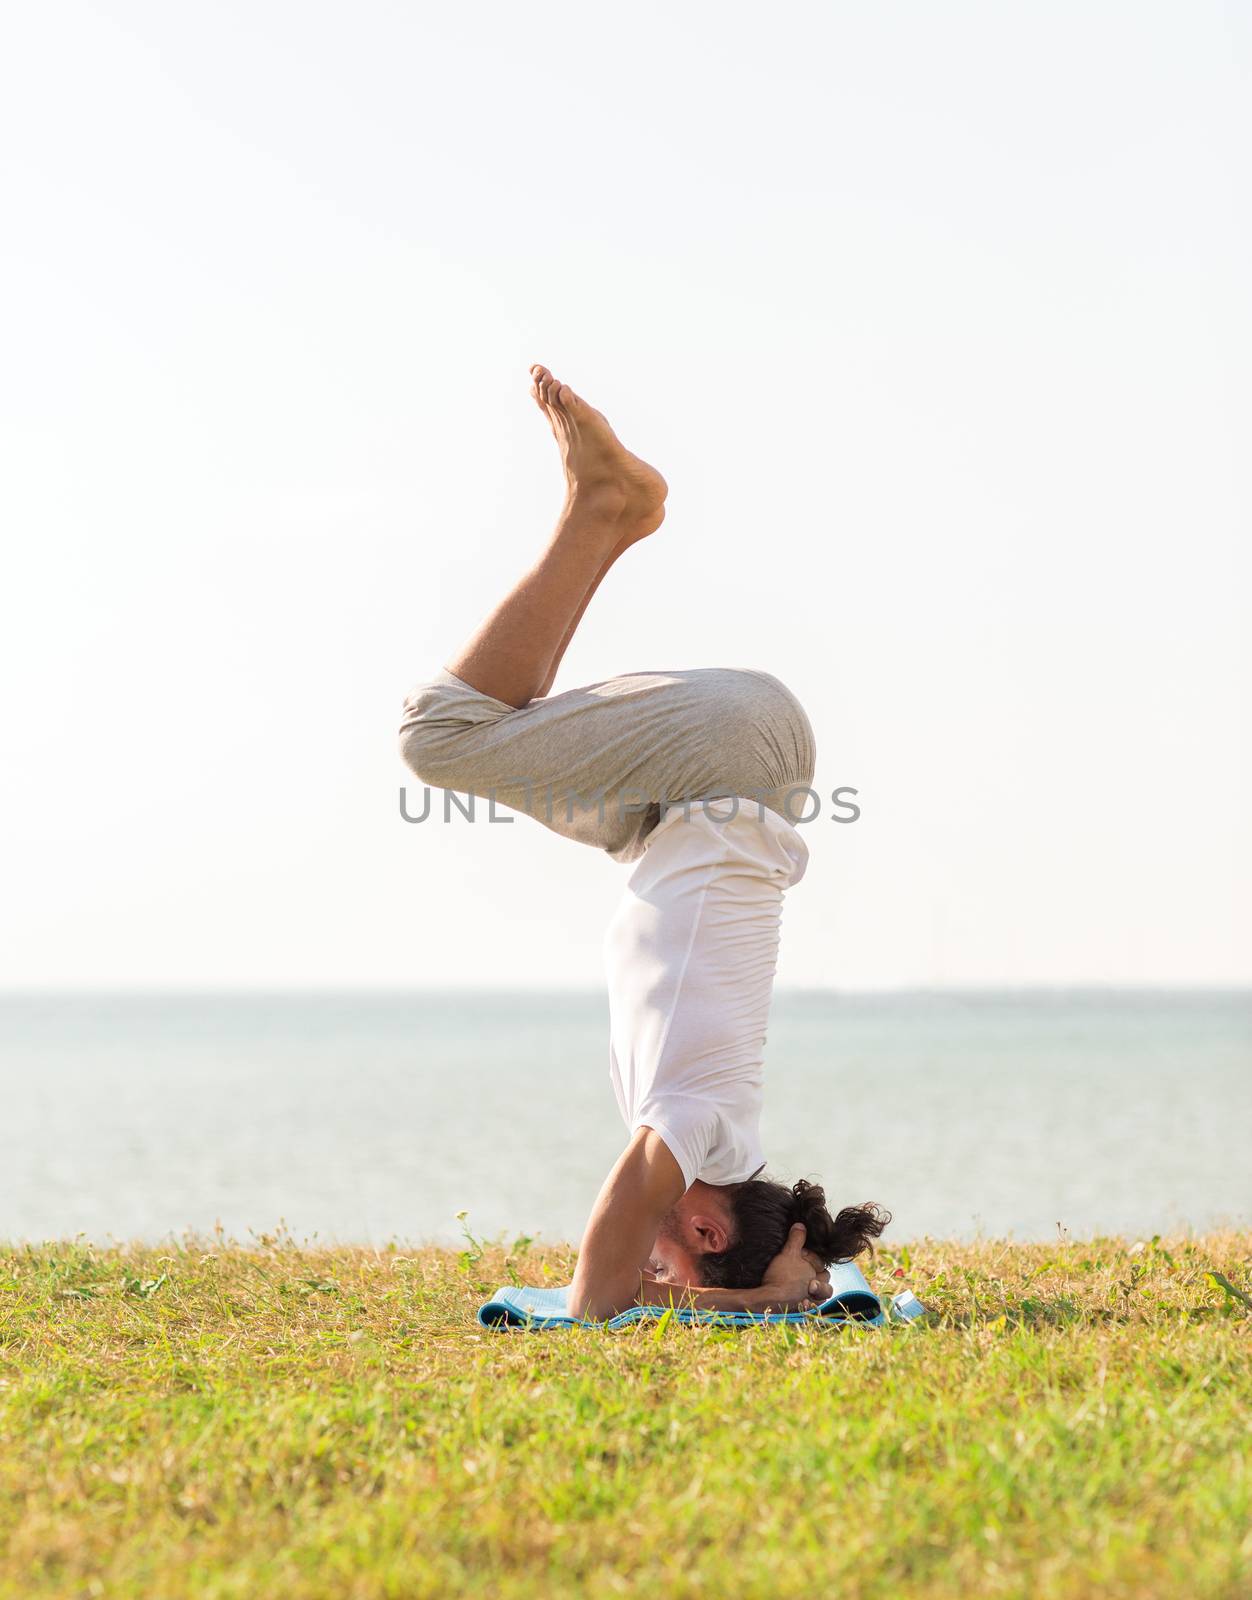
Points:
x=794, y=1279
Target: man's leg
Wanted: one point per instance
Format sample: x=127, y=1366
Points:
x=578, y=615
x=612, y=499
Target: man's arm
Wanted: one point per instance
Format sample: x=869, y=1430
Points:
x=617, y=1242
x=657, y=1292
x=616, y=1249
x=794, y=1281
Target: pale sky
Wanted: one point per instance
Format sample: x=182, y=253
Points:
x=935, y=317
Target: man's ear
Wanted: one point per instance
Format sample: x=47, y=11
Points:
x=711, y=1233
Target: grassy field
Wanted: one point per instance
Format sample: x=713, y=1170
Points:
x=266, y=1420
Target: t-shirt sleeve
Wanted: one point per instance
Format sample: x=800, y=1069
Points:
x=687, y=1125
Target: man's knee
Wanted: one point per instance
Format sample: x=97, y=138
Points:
x=429, y=736
x=417, y=751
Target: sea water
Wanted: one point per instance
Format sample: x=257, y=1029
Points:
x=368, y=1117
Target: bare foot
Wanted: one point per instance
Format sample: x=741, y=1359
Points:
x=599, y=470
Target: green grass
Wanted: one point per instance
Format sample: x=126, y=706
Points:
x=271, y=1421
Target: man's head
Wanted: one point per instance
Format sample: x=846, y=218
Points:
x=724, y=1236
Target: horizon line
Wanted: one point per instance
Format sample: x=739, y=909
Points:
x=450, y=991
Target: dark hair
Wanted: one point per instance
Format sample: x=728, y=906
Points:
x=763, y=1212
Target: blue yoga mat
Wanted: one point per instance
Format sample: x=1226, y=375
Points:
x=851, y=1300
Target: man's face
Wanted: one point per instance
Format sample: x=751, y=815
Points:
x=700, y=1223
x=672, y=1260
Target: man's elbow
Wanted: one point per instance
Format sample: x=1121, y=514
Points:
x=595, y=1303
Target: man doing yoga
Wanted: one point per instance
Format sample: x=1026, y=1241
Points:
x=690, y=775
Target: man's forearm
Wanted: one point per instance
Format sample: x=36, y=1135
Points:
x=654, y=1292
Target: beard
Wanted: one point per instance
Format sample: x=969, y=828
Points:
x=668, y=1229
